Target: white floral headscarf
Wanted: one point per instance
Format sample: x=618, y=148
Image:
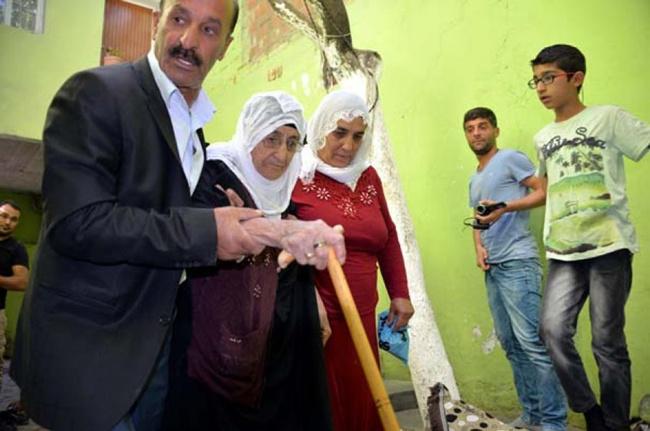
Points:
x=262, y=114
x=338, y=105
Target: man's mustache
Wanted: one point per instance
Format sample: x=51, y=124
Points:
x=186, y=54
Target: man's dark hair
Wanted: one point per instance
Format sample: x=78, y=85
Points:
x=480, y=112
x=235, y=14
x=11, y=203
x=568, y=58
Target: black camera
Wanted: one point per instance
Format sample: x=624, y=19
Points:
x=487, y=209
x=484, y=210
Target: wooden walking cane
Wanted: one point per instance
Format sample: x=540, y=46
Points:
x=359, y=339
x=361, y=344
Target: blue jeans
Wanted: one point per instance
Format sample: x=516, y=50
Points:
x=146, y=414
x=514, y=296
x=606, y=280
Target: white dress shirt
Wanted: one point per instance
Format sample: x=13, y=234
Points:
x=186, y=120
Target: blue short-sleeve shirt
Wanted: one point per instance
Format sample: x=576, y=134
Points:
x=509, y=237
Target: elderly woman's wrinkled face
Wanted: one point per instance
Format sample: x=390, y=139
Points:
x=273, y=154
x=342, y=144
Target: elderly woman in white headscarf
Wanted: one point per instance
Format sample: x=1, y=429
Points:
x=252, y=358
x=337, y=184
x=269, y=133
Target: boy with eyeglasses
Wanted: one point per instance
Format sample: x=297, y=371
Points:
x=587, y=232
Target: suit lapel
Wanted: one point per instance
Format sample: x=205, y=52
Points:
x=156, y=104
x=201, y=136
x=204, y=145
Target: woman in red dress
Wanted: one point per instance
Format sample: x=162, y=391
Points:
x=339, y=186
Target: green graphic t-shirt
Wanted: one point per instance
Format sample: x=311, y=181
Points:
x=586, y=204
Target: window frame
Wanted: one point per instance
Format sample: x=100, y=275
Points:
x=39, y=22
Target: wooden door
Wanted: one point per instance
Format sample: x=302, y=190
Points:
x=127, y=31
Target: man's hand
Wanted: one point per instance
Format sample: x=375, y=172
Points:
x=401, y=310
x=233, y=241
x=481, y=258
x=494, y=215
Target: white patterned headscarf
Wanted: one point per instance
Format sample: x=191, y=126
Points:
x=338, y=105
x=262, y=115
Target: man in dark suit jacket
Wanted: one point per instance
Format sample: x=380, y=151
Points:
x=118, y=231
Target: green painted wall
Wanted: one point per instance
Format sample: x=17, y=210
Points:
x=440, y=59
x=34, y=66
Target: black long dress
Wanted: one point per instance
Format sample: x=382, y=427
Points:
x=294, y=390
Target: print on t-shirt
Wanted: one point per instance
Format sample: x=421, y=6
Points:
x=579, y=200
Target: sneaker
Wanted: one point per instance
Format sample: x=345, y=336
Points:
x=522, y=424
x=594, y=419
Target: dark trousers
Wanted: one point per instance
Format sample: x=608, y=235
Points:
x=147, y=413
x=606, y=280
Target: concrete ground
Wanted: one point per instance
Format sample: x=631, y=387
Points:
x=404, y=403
x=405, y=406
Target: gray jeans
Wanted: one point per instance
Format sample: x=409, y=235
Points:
x=606, y=280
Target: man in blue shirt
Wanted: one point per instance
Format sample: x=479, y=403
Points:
x=507, y=252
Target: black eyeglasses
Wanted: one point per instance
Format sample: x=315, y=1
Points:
x=275, y=140
x=548, y=79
